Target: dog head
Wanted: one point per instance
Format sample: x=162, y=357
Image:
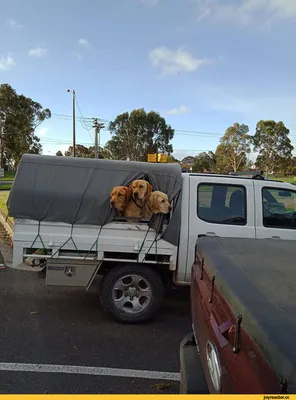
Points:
x=159, y=203
x=119, y=197
x=140, y=189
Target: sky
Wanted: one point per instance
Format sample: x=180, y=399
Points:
x=202, y=64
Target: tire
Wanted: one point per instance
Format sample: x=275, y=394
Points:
x=142, y=283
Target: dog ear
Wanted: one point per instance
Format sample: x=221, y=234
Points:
x=129, y=192
x=149, y=188
x=155, y=201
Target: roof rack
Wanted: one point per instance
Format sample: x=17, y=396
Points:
x=251, y=174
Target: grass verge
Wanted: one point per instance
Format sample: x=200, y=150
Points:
x=5, y=186
x=8, y=176
x=289, y=179
x=3, y=198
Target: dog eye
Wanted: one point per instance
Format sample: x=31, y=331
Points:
x=141, y=186
x=162, y=201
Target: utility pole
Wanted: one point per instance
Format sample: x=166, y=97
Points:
x=73, y=122
x=97, y=126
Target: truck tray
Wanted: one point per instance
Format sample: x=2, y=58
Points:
x=257, y=278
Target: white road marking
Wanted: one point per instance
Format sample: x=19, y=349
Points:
x=99, y=371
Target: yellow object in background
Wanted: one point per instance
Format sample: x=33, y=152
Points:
x=162, y=158
x=152, y=158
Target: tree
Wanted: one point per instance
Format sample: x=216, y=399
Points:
x=235, y=145
x=188, y=160
x=59, y=153
x=291, y=169
x=272, y=141
x=136, y=134
x=84, y=152
x=222, y=155
x=172, y=159
x=204, y=162
x=21, y=116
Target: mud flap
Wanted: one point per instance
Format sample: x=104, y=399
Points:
x=193, y=379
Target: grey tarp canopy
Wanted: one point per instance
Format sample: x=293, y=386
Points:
x=257, y=278
x=77, y=190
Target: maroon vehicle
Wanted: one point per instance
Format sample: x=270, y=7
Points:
x=243, y=307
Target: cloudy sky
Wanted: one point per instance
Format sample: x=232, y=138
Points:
x=203, y=64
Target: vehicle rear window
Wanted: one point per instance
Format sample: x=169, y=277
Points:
x=222, y=203
x=279, y=208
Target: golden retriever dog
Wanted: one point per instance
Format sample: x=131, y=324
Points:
x=141, y=190
x=157, y=203
x=120, y=197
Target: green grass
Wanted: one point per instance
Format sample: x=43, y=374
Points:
x=8, y=176
x=289, y=179
x=5, y=186
x=3, y=198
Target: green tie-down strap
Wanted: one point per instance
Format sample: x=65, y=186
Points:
x=36, y=238
x=95, y=244
x=67, y=241
x=156, y=239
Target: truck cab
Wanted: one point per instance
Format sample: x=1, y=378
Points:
x=233, y=206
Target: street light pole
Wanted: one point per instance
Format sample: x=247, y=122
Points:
x=73, y=123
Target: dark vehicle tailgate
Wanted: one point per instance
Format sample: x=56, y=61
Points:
x=257, y=279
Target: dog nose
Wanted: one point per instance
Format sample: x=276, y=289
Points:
x=170, y=207
x=136, y=194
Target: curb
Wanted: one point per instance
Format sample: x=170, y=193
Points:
x=8, y=225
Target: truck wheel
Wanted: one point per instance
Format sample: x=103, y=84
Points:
x=131, y=294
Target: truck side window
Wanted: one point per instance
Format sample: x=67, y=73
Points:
x=279, y=208
x=222, y=203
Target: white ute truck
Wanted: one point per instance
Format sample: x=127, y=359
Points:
x=61, y=207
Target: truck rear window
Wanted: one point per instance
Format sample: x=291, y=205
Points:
x=222, y=203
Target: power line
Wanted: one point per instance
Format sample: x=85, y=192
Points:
x=84, y=123
x=66, y=116
x=181, y=132
x=82, y=120
x=61, y=142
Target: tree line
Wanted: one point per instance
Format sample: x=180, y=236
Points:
x=137, y=133
x=270, y=141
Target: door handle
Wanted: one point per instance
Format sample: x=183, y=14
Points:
x=207, y=234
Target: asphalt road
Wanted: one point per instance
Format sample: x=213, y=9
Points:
x=66, y=327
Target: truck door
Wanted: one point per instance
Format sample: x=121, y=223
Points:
x=275, y=211
x=219, y=206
